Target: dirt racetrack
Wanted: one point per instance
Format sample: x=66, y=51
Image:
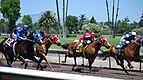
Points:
x=96, y=71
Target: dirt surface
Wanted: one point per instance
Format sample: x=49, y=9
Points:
x=96, y=71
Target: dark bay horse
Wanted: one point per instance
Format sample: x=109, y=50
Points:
x=90, y=52
x=22, y=49
x=42, y=50
x=131, y=53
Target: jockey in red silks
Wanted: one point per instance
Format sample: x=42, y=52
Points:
x=86, y=39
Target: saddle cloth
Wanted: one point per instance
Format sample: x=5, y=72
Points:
x=9, y=41
x=80, y=47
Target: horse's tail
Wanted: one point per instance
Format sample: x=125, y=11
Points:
x=65, y=46
x=105, y=54
x=1, y=44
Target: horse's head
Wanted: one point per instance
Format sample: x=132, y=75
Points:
x=104, y=42
x=139, y=41
x=54, y=39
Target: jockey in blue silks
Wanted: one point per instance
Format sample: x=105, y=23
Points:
x=37, y=36
x=20, y=33
x=126, y=40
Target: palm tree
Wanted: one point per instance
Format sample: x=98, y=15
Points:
x=47, y=20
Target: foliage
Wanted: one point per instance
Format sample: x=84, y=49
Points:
x=48, y=20
x=138, y=30
x=91, y=27
x=72, y=24
x=71, y=35
x=3, y=25
x=11, y=11
x=27, y=20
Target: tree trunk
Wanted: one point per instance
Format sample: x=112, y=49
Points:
x=59, y=23
x=63, y=18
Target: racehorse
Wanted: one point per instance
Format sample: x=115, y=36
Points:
x=42, y=50
x=131, y=53
x=90, y=52
x=22, y=49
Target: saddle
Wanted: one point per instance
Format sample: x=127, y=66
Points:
x=120, y=48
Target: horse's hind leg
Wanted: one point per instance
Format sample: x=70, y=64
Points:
x=122, y=65
x=9, y=62
x=74, y=62
x=65, y=59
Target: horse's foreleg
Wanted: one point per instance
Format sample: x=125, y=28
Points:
x=39, y=63
x=44, y=57
x=90, y=63
x=23, y=60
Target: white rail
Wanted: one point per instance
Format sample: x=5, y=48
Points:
x=7, y=73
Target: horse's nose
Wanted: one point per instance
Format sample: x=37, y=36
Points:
x=59, y=43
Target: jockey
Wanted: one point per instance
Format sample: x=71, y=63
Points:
x=94, y=36
x=42, y=33
x=127, y=39
x=85, y=39
x=20, y=33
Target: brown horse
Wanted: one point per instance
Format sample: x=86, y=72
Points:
x=131, y=53
x=42, y=50
x=90, y=52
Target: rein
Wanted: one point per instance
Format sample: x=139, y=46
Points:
x=49, y=40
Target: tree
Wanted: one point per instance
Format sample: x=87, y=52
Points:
x=47, y=20
x=11, y=11
x=92, y=20
x=72, y=24
x=141, y=21
x=82, y=20
x=27, y=20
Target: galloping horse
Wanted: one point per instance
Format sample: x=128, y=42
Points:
x=131, y=53
x=90, y=52
x=22, y=49
x=42, y=50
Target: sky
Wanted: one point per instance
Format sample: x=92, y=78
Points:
x=132, y=9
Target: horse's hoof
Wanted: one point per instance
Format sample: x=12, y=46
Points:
x=10, y=66
x=63, y=61
x=74, y=65
x=76, y=69
x=131, y=67
x=82, y=64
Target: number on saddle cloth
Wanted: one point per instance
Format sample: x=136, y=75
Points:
x=79, y=47
x=9, y=41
